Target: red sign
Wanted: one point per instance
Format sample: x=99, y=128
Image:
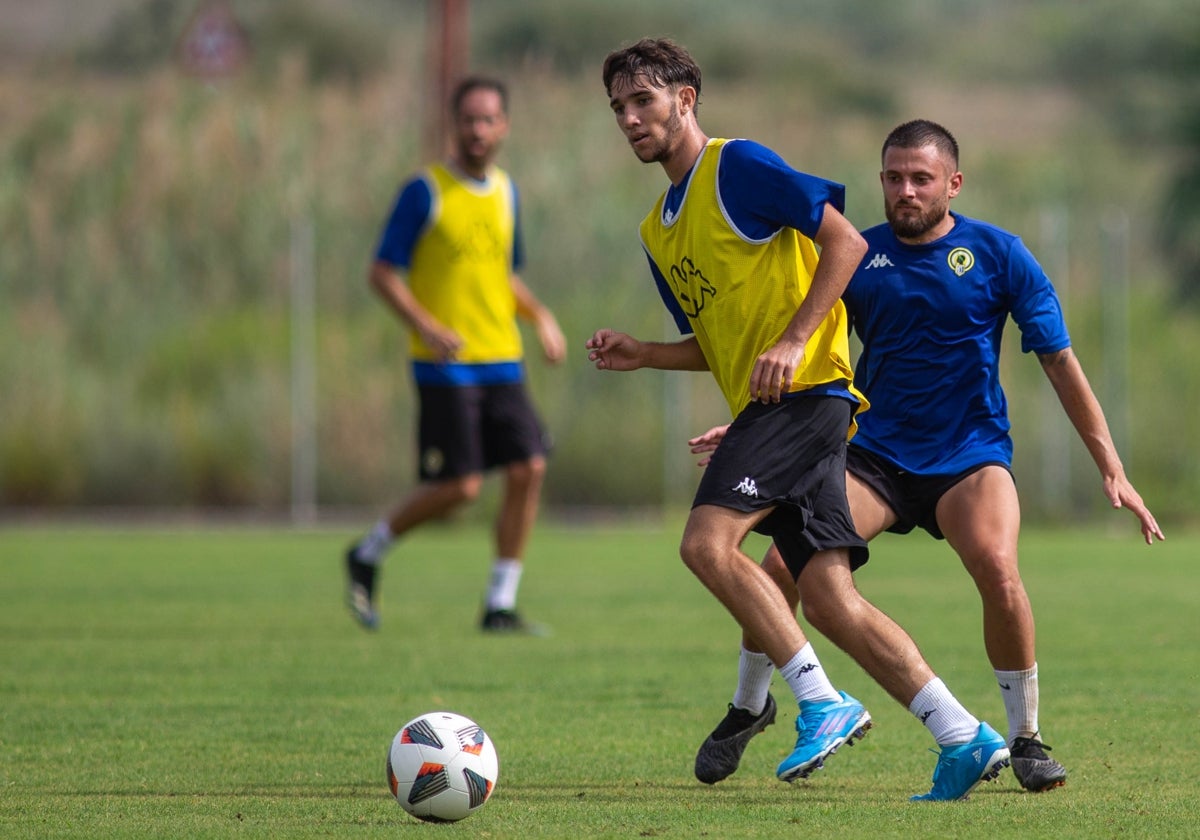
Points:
x=213, y=43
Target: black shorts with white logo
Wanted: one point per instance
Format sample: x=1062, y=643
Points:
x=467, y=429
x=790, y=456
x=913, y=498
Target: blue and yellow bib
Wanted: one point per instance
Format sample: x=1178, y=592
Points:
x=462, y=264
x=739, y=294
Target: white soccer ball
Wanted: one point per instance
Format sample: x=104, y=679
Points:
x=442, y=767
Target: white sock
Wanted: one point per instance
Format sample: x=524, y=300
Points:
x=945, y=718
x=807, y=678
x=502, y=590
x=374, y=545
x=1019, y=690
x=754, y=679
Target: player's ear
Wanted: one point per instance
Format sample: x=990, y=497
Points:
x=687, y=99
x=956, y=182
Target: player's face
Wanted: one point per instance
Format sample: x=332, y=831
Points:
x=479, y=127
x=917, y=187
x=649, y=118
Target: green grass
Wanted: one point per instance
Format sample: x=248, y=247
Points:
x=210, y=684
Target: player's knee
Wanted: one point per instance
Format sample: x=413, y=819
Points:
x=997, y=577
x=467, y=488
x=699, y=553
x=527, y=473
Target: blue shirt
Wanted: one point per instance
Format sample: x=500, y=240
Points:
x=930, y=318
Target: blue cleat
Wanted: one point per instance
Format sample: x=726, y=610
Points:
x=820, y=729
x=960, y=768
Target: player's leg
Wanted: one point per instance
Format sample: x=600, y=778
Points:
x=450, y=469
x=981, y=519
x=711, y=549
x=431, y=500
x=753, y=709
x=971, y=751
x=514, y=441
x=519, y=505
x=514, y=523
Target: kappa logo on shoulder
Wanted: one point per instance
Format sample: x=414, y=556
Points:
x=880, y=261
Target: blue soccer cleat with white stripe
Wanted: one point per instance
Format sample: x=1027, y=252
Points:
x=821, y=728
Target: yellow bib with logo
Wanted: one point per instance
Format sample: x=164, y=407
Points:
x=462, y=264
x=740, y=294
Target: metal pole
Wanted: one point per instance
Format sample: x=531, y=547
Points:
x=304, y=388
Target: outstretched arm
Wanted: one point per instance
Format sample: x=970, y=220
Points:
x=1077, y=398
x=611, y=350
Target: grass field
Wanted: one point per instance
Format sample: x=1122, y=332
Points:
x=209, y=683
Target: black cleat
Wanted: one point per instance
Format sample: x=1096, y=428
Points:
x=360, y=589
x=509, y=621
x=721, y=753
x=1035, y=770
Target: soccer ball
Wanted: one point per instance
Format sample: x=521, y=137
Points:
x=442, y=767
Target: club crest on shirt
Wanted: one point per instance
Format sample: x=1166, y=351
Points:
x=691, y=287
x=960, y=261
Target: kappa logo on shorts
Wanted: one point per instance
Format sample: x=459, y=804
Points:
x=747, y=487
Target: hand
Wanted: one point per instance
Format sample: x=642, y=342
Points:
x=442, y=341
x=554, y=345
x=707, y=442
x=612, y=350
x=1121, y=494
x=774, y=370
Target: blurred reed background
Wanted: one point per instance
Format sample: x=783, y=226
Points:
x=149, y=222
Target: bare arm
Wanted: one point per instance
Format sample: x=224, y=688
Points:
x=1079, y=401
x=611, y=350
x=390, y=285
x=842, y=249
x=554, y=345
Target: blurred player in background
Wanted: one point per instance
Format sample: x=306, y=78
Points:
x=929, y=302
x=447, y=264
x=732, y=246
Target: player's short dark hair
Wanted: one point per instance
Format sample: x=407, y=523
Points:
x=660, y=61
x=917, y=133
x=478, y=83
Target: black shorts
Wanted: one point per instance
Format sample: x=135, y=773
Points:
x=913, y=498
x=467, y=429
x=790, y=456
